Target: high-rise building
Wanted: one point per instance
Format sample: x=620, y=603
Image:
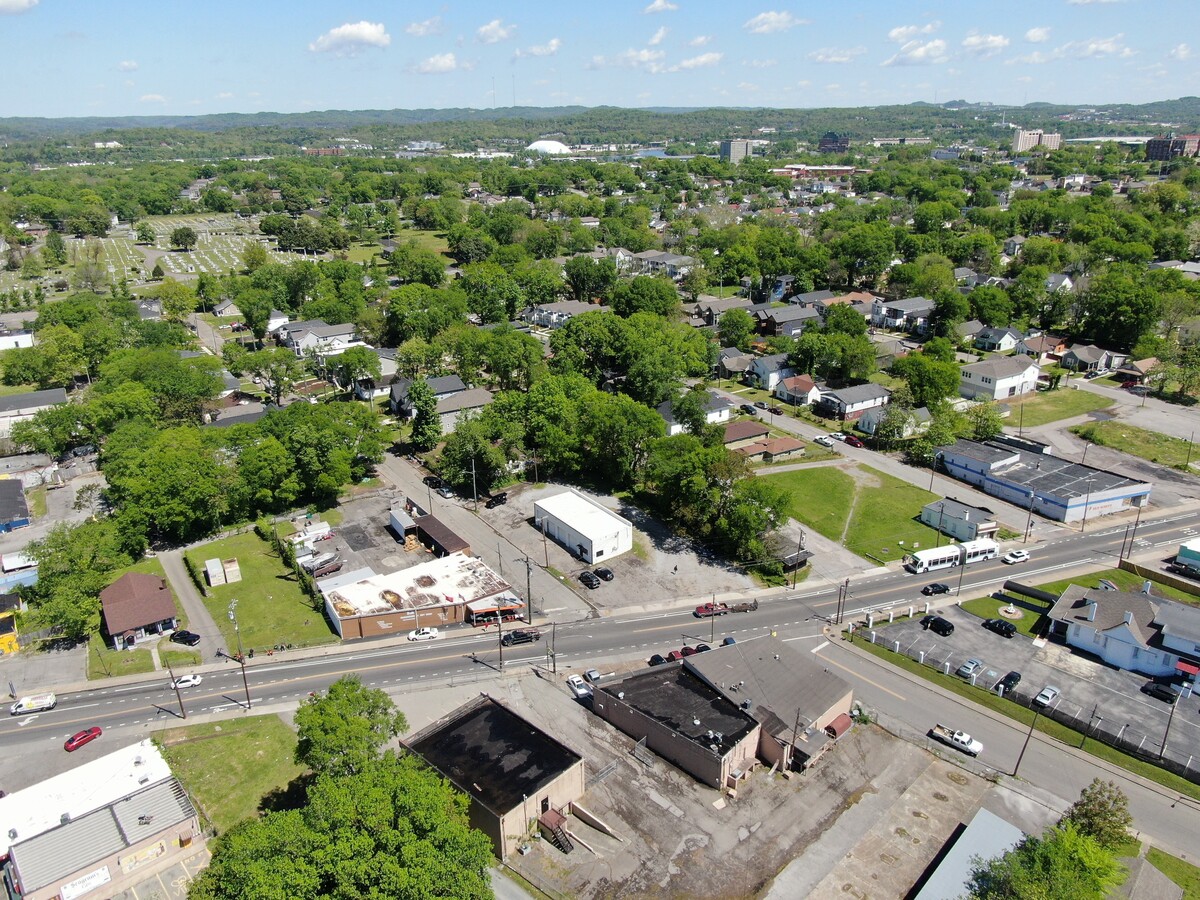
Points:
x=735, y=151
x=1027, y=140
x=1167, y=147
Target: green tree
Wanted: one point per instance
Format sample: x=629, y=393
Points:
x=75, y=563
x=254, y=257
x=1062, y=865
x=427, y=424
x=267, y=476
x=178, y=300
x=415, y=265
x=983, y=421
x=645, y=294
x=357, y=364
x=279, y=369
x=145, y=233
x=469, y=460
x=589, y=278
x=157, y=272
x=55, y=250
x=1101, y=813
x=31, y=266
x=735, y=329
x=343, y=730
x=183, y=238
x=929, y=380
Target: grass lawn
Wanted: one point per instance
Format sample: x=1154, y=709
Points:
x=1126, y=581
x=1053, y=406
x=271, y=607
x=228, y=768
x=426, y=240
x=1158, y=448
x=882, y=524
x=105, y=662
x=820, y=498
x=1184, y=874
x=178, y=659
x=37, y=501
x=1028, y=624
x=7, y=390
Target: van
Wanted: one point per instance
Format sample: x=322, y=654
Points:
x=36, y=703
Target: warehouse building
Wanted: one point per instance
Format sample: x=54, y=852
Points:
x=588, y=530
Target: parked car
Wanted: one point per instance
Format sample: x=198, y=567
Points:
x=969, y=668
x=1139, y=390
x=938, y=625
x=77, y=740
x=837, y=435
x=592, y=676
x=444, y=491
x=1088, y=376
x=1160, y=691
x=1009, y=682
x=497, y=500
x=687, y=651
x=759, y=404
x=854, y=441
x=432, y=481
x=589, y=579
x=728, y=641
x=658, y=660
x=702, y=648
x=423, y=634
x=748, y=409
x=1047, y=695
x=604, y=573
x=936, y=588
x=824, y=440
x=1015, y=556
x=578, y=687
x=675, y=656
x=185, y=681
x=1002, y=627
x=521, y=636
x=185, y=637
x=775, y=410
x=85, y=450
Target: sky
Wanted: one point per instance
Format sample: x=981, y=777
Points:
x=151, y=57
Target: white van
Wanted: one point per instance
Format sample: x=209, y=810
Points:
x=36, y=703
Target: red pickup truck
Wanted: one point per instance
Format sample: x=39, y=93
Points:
x=708, y=610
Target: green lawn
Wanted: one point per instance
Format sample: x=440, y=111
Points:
x=271, y=607
x=820, y=498
x=1184, y=874
x=427, y=240
x=1126, y=581
x=1028, y=624
x=178, y=659
x=228, y=768
x=1052, y=406
x=1158, y=448
x=37, y=501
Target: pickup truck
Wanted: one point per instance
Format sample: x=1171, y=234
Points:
x=959, y=740
x=708, y=610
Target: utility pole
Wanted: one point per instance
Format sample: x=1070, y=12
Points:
x=712, y=621
x=241, y=656
x=1028, y=520
x=1170, y=719
x=474, y=488
x=528, y=591
x=962, y=571
x=1021, y=755
x=178, y=696
x=941, y=512
x=799, y=550
x=553, y=652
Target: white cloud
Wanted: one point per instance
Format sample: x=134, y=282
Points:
x=494, y=32
x=17, y=6
x=424, y=29
x=547, y=49
x=349, y=39
x=702, y=61
x=657, y=37
x=761, y=63
x=1090, y=2
x=438, y=64
x=127, y=65
x=747, y=87
x=984, y=45
x=650, y=60
x=1038, y=35
x=661, y=6
x=836, y=54
x=915, y=53
x=1092, y=48
x=152, y=98
x=224, y=95
x=128, y=82
x=902, y=34
x=1180, y=52
x=770, y=22
x=700, y=40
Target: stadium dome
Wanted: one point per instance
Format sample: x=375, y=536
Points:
x=554, y=148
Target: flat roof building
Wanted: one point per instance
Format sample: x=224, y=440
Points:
x=587, y=529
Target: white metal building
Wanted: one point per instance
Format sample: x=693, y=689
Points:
x=587, y=529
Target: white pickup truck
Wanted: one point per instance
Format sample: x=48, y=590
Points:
x=959, y=740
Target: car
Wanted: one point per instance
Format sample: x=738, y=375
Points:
x=1139, y=390
x=85, y=450
x=592, y=676
x=77, y=740
x=589, y=579
x=604, y=572
x=432, y=481
x=1160, y=691
x=854, y=441
x=969, y=668
x=1088, y=376
x=658, y=660
x=728, y=641
x=674, y=656
x=837, y=436
x=687, y=651
x=1002, y=627
x=185, y=637
x=824, y=440
x=938, y=625
x=1015, y=556
x=759, y=404
x=702, y=648
x=775, y=410
x=444, y=491
x=578, y=687
x=423, y=634
x=748, y=409
x=521, y=636
x=1047, y=695
x=936, y=588
x=185, y=681
x=1009, y=681
x=497, y=500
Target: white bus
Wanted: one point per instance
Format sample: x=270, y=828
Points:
x=951, y=555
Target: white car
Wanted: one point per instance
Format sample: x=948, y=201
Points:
x=824, y=440
x=1015, y=556
x=1047, y=696
x=578, y=687
x=837, y=436
x=185, y=681
x=423, y=634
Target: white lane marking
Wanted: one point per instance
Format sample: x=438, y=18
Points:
x=820, y=647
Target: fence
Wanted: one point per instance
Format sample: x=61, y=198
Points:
x=905, y=731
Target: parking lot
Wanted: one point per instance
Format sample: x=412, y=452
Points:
x=1094, y=695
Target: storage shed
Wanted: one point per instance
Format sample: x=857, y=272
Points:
x=588, y=530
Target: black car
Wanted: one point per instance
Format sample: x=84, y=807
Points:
x=589, y=579
x=938, y=625
x=1009, y=681
x=936, y=588
x=432, y=480
x=748, y=409
x=702, y=648
x=188, y=638
x=1000, y=627
x=658, y=660
x=604, y=572
x=521, y=636
x=1160, y=691
x=497, y=500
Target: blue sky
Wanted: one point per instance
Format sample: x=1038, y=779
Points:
x=131, y=57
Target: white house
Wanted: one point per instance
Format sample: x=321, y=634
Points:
x=587, y=529
x=768, y=371
x=716, y=410
x=959, y=520
x=276, y=320
x=19, y=407
x=226, y=309
x=556, y=315
x=999, y=340
x=451, y=409
x=798, y=390
x=995, y=379
x=12, y=339
x=911, y=314
x=852, y=402
x=314, y=336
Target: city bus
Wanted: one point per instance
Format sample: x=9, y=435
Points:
x=952, y=555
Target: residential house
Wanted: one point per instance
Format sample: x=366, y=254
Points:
x=966, y=331
x=1043, y=349
x=716, y=410
x=135, y=608
x=744, y=431
x=1013, y=245
x=315, y=336
x=911, y=314
x=790, y=320
x=149, y=310
x=710, y=309
x=916, y=422
x=960, y=521
x=19, y=407
x=963, y=274
x=442, y=387
x=769, y=450
x=733, y=363
x=850, y=403
x=227, y=309
x=1059, y=281
x=1138, y=370
x=451, y=409
x=10, y=340
x=997, y=378
x=660, y=262
x=556, y=315
x=370, y=388
x=768, y=371
x=276, y=319
x=1089, y=358
x=811, y=298
x=998, y=340
x=798, y=390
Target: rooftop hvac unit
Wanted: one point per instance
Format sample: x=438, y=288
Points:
x=746, y=704
x=144, y=779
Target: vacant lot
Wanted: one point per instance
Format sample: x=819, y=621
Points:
x=1158, y=448
x=228, y=768
x=1053, y=406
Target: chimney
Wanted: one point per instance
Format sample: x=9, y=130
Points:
x=1128, y=617
x=1091, y=605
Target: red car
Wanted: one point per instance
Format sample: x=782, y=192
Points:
x=75, y=741
x=854, y=442
x=688, y=651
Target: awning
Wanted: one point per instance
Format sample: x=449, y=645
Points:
x=1187, y=668
x=839, y=726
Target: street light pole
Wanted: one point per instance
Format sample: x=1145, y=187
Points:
x=799, y=550
x=941, y=512
x=1087, y=498
x=1029, y=520
x=178, y=696
x=1170, y=719
x=241, y=656
x=1021, y=755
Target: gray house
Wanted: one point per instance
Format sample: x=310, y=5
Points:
x=442, y=387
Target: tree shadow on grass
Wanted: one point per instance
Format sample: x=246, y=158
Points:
x=293, y=795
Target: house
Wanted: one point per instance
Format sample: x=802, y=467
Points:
x=997, y=378
x=733, y=363
x=770, y=450
x=798, y=390
x=850, y=403
x=790, y=320
x=1059, y=281
x=660, y=262
x=1090, y=358
x=443, y=386
x=313, y=336
x=1042, y=348
x=767, y=371
x=998, y=340
x=910, y=315
x=916, y=422
x=966, y=331
x=811, y=298
x=276, y=320
x=19, y=407
x=1013, y=245
x=135, y=608
x=716, y=410
x=1138, y=370
x=959, y=521
x=710, y=309
x=9, y=340
x=454, y=407
x=590, y=531
x=556, y=315
x=742, y=432
x=963, y=274
x=369, y=388
x=227, y=309
x=14, y=511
